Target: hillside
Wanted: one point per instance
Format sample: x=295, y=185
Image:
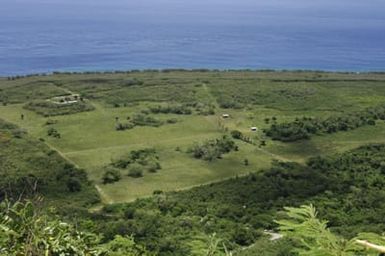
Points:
x=175, y=156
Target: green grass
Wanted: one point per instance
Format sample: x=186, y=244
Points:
x=89, y=139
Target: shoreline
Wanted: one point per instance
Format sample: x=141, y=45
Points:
x=196, y=70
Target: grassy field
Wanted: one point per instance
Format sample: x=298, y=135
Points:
x=89, y=139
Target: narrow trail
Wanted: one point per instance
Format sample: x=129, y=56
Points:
x=103, y=196
x=62, y=155
x=209, y=95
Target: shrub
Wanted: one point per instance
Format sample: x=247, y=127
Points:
x=52, y=132
x=47, y=108
x=124, y=126
x=157, y=192
x=212, y=149
x=236, y=134
x=143, y=159
x=51, y=122
x=129, y=213
x=172, y=121
x=111, y=175
x=153, y=166
x=135, y=171
x=181, y=109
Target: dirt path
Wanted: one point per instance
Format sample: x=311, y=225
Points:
x=103, y=196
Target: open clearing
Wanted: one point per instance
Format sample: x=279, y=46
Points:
x=90, y=139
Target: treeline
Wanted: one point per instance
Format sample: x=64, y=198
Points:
x=180, y=109
x=184, y=109
x=305, y=127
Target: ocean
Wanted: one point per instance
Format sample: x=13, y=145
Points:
x=40, y=36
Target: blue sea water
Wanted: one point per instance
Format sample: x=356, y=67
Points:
x=76, y=35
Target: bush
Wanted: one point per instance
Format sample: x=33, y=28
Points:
x=52, y=132
x=236, y=134
x=135, y=171
x=47, y=108
x=129, y=213
x=181, y=109
x=145, y=120
x=172, y=121
x=111, y=175
x=124, y=126
x=157, y=192
x=212, y=149
x=153, y=166
x=51, y=122
x=143, y=159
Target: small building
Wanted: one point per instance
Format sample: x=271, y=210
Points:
x=225, y=116
x=254, y=129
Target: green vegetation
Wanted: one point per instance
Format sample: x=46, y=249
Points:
x=90, y=139
x=175, y=109
x=29, y=167
x=145, y=120
x=135, y=162
x=312, y=237
x=53, y=133
x=26, y=230
x=213, y=149
x=111, y=175
x=346, y=188
x=305, y=127
x=49, y=108
x=332, y=156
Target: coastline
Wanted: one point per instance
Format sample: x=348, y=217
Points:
x=192, y=70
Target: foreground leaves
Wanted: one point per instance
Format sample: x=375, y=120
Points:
x=312, y=236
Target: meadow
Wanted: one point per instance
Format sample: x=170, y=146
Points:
x=89, y=139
